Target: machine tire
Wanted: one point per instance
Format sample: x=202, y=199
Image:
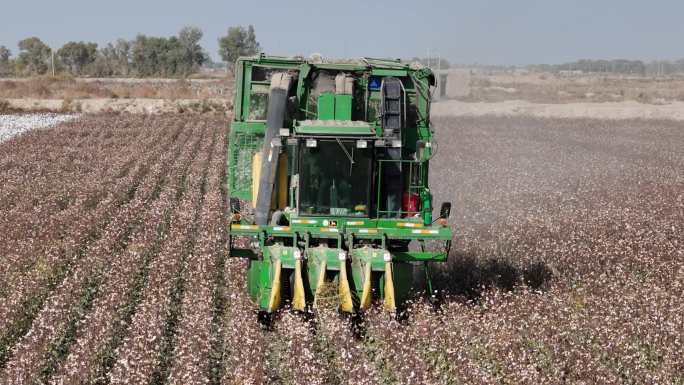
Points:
x=265, y=319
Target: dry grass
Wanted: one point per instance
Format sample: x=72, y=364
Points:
x=5, y=107
x=64, y=87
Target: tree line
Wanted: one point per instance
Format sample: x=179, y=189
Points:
x=180, y=55
x=619, y=66
x=635, y=67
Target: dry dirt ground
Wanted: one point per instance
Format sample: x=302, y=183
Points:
x=65, y=87
x=568, y=263
x=66, y=94
x=518, y=108
x=479, y=86
x=469, y=94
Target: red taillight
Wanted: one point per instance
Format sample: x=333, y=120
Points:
x=409, y=203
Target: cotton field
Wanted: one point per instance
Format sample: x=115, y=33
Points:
x=567, y=265
x=11, y=125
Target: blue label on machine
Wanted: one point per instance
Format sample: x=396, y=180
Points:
x=374, y=83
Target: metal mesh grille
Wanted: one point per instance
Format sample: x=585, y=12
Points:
x=243, y=147
x=413, y=170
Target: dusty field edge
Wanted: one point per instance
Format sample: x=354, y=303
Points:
x=135, y=106
x=610, y=110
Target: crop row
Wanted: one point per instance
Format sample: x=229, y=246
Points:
x=245, y=342
x=567, y=265
x=52, y=330
x=79, y=154
x=103, y=167
x=143, y=352
x=28, y=294
x=191, y=354
x=99, y=334
x=30, y=237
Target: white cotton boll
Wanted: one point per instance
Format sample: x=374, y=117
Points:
x=11, y=125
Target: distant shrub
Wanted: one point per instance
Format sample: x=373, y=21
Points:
x=5, y=107
x=69, y=105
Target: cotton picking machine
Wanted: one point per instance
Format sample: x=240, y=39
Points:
x=334, y=157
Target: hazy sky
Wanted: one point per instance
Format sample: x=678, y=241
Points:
x=490, y=32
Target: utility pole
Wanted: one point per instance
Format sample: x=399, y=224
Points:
x=52, y=55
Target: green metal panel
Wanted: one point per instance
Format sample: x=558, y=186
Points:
x=341, y=66
x=402, y=275
x=302, y=89
x=326, y=106
x=413, y=256
x=256, y=268
x=324, y=254
x=343, y=107
x=369, y=230
x=240, y=90
x=314, y=265
x=246, y=84
x=389, y=72
x=357, y=129
x=283, y=253
x=244, y=141
x=277, y=61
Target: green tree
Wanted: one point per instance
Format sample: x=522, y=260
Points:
x=122, y=53
x=147, y=55
x=34, y=55
x=114, y=59
x=174, y=56
x=239, y=41
x=5, y=54
x=77, y=55
x=5, y=65
x=191, y=53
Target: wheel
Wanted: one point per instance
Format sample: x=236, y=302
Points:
x=265, y=319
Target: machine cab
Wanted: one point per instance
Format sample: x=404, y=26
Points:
x=335, y=177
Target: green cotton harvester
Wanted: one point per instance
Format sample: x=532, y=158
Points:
x=328, y=180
